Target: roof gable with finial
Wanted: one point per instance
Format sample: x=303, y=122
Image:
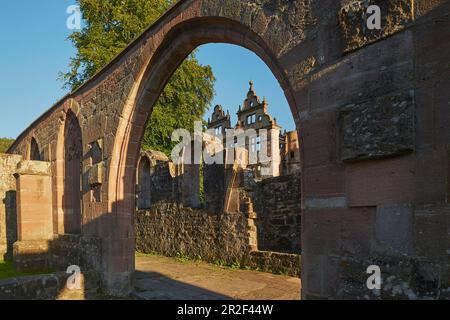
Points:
x=252, y=99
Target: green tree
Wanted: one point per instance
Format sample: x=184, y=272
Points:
x=5, y=143
x=108, y=27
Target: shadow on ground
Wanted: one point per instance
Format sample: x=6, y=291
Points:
x=155, y=286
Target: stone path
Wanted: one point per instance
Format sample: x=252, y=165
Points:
x=160, y=278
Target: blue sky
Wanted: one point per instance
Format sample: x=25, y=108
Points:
x=34, y=50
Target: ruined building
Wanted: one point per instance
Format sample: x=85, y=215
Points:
x=371, y=109
x=236, y=212
x=240, y=220
x=281, y=150
x=233, y=211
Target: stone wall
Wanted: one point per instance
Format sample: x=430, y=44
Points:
x=8, y=222
x=276, y=202
x=173, y=230
x=239, y=216
x=58, y=254
x=49, y=287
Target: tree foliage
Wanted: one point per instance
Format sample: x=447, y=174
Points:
x=108, y=27
x=5, y=143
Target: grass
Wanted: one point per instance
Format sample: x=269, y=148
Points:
x=7, y=271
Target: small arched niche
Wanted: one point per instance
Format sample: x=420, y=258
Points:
x=35, y=153
x=73, y=150
x=144, y=184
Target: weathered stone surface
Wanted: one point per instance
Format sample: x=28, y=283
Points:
x=432, y=233
x=8, y=221
x=58, y=254
x=276, y=202
x=34, y=168
x=378, y=128
x=394, y=228
x=395, y=16
x=96, y=174
x=373, y=183
x=277, y=262
x=34, y=201
x=49, y=287
x=266, y=16
x=82, y=251
x=172, y=230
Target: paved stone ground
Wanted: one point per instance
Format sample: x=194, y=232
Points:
x=160, y=278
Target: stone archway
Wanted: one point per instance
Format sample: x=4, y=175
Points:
x=177, y=45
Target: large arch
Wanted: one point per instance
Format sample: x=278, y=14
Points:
x=177, y=45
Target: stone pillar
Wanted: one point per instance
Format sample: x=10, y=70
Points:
x=190, y=177
x=8, y=233
x=234, y=178
x=34, y=215
x=252, y=232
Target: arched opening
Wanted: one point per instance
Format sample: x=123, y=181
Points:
x=165, y=61
x=176, y=46
x=35, y=153
x=73, y=150
x=143, y=189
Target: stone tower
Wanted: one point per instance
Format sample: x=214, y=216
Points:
x=219, y=120
x=253, y=115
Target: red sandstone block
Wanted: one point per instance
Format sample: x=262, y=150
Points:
x=442, y=110
x=425, y=116
x=316, y=142
x=36, y=230
x=432, y=233
x=339, y=231
x=321, y=231
x=431, y=180
x=357, y=232
x=366, y=73
x=319, y=275
x=324, y=181
x=388, y=181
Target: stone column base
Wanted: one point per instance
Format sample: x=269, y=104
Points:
x=31, y=255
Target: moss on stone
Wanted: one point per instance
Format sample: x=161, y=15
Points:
x=7, y=271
